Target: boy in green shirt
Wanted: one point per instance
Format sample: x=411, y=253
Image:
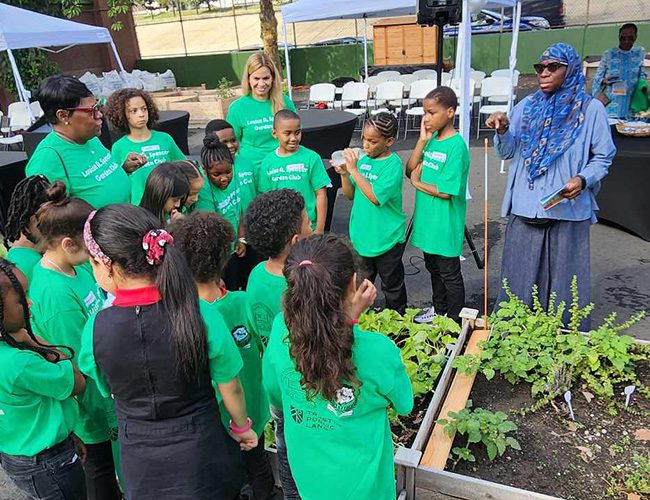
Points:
x=438, y=168
x=205, y=239
x=295, y=167
x=377, y=223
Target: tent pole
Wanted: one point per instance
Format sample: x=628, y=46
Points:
x=20, y=88
x=466, y=48
x=286, y=57
x=117, y=56
x=365, y=46
x=513, y=49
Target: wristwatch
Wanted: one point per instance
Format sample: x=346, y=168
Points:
x=584, y=182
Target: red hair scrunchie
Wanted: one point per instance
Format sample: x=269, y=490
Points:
x=153, y=243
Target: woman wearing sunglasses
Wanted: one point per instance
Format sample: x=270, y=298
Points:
x=561, y=148
x=72, y=152
x=619, y=71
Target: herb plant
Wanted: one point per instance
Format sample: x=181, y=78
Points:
x=630, y=477
x=480, y=426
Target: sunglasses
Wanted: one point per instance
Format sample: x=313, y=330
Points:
x=552, y=67
x=96, y=108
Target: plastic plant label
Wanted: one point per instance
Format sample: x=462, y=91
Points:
x=567, y=398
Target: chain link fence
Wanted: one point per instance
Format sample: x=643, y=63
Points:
x=230, y=25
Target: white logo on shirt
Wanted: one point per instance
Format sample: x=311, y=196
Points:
x=90, y=298
x=153, y=147
x=365, y=167
x=296, y=167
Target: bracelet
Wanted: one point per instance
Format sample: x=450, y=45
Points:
x=241, y=430
x=242, y=240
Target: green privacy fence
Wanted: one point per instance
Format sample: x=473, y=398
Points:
x=321, y=64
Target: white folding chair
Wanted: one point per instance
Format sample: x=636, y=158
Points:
x=446, y=78
x=37, y=110
x=389, y=74
x=407, y=80
x=6, y=142
x=322, y=92
x=426, y=74
x=491, y=87
x=18, y=118
x=478, y=77
x=419, y=90
x=504, y=73
x=391, y=93
x=354, y=92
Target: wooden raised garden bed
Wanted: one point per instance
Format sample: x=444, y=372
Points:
x=202, y=104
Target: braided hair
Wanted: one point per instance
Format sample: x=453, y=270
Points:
x=48, y=352
x=28, y=196
x=385, y=123
x=214, y=151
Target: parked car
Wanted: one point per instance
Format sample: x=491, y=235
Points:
x=551, y=10
x=488, y=21
x=344, y=40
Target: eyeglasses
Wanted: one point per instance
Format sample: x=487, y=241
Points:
x=552, y=67
x=96, y=108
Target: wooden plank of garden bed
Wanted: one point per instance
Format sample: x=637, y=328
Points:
x=439, y=445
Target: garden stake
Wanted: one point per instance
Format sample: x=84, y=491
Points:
x=485, y=240
x=567, y=398
x=629, y=390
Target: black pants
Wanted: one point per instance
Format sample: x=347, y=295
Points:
x=101, y=483
x=259, y=472
x=238, y=269
x=390, y=268
x=447, y=287
x=331, y=196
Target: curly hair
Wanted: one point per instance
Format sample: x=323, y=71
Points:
x=205, y=239
x=116, y=108
x=272, y=219
x=27, y=198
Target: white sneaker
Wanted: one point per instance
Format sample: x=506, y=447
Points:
x=426, y=316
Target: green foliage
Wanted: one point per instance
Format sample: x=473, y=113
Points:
x=480, y=426
x=630, y=477
x=423, y=346
x=531, y=345
x=224, y=88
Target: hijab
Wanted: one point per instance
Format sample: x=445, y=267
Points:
x=551, y=123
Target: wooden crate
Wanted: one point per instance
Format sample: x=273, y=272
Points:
x=203, y=105
x=403, y=41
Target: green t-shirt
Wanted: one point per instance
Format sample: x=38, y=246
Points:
x=375, y=229
x=159, y=148
x=303, y=171
x=349, y=438
x=24, y=259
x=264, y=293
x=252, y=121
x=88, y=170
x=61, y=305
x=226, y=202
x=243, y=172
x=224, y=360
x=439, y=225
x=232, y=307
x=36, y=408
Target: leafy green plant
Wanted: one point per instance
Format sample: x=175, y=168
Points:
x=224, y=88
x=631, y=477
x=530, y=344
x=480, y=426
x=423, y=346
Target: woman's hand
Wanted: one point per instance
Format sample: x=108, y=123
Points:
x=573, y=188
x=351, y=159
x=498, y=121
x=247, y=440
x=425, y=135
x=133, y=162
x=240, y=249
x=363, y=298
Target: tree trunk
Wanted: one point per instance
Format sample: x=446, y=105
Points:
x=269, y=31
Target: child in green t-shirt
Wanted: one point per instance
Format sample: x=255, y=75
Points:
x=133, y=112
x=166, y=191
x=438, y=168
x=334, y=379
x=64, y=295
x=377, y=223
x=39, y=412
x=21, y=231
x=295, y=167
x=205, y=239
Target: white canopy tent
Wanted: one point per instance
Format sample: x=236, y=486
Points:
x=22, y=29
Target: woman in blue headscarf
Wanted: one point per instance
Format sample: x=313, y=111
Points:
x=560, y=142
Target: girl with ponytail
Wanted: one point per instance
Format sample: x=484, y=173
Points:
x=64, y=295
x=37, y=383
x=333, y=381
x=159, y=353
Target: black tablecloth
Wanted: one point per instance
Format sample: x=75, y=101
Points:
x=12, y=170
x=326, y=130
x=624, y=198
x=175, y=123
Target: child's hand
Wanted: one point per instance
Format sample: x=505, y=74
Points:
x=80, y=448
x=363, y=298
x=416, y=175
x=240, y=249
x=340, y=169
x=351, y=159
x=247, y=440
x=425, y=135
x=176, y=215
